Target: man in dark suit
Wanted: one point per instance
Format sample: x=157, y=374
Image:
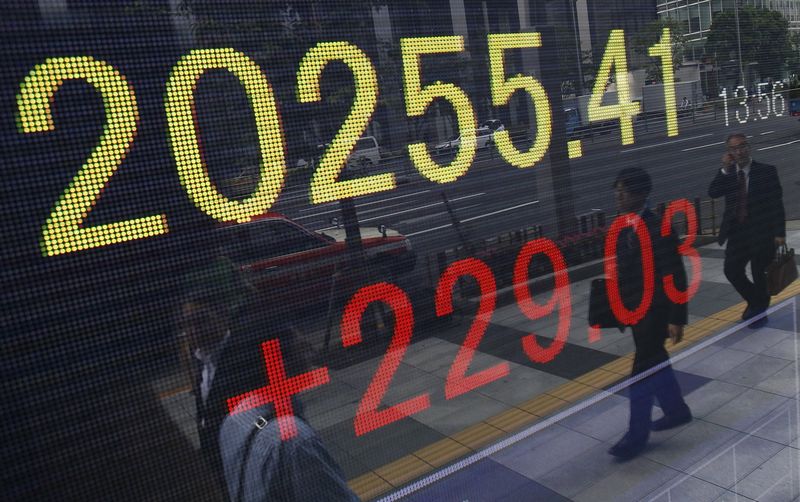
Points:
x=664, y=319
x=224, y=336
x=753, y=222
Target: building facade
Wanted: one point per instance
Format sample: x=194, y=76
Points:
x=697, y=14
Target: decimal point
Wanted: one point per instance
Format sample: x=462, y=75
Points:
x=575, y=149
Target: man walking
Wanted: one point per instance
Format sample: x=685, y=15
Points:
x=664, y=319
x=753, y=223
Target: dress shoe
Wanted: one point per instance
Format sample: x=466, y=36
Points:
x=748, y=313
x=671, y=421
x=629, y=446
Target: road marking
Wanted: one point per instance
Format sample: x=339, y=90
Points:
x=367, y=203
x=432, y=215
x=429, y=230
x=337, y=210
x=500, y=211
x=411, y=210
x=391, y=198
x=473, y=218
x=778, y=146
x=703, y=146
x=767, y=132
x=666, y=143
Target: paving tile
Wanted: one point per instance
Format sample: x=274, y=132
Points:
x=451, y=416
x=381, y=446
x=788, y=349
x=780, y=426
x=777, y=479
x=753, y=371
x=712, y=396
x=431, y=354
x=629, y=481
x=759, y=341
x=442, y=452
x=352, y=466
x=521, y=384
x=685, y=488
x=783, y=319
x=784, y=382
x=688, y=383
x=735, y=461
x=511, y=454
x=620, y=347
x=331, y=396
x=484, y=481
x=729, y=496
x=719, y=363
x=532, y=491
x=739, y=334
x=535, y=461
x=684, y=362
x=693, y=443
x=743, y=412
x=506, y=343
x=711, y=298
x=594, y=413
x=574, y=476
x=609, y=425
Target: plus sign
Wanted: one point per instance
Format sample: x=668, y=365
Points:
x=280, y=389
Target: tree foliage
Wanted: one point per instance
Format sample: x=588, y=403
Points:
x=764, y=39
x=650, y=34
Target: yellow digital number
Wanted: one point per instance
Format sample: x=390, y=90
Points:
x=418, y=98
x=63, y=232
x=502, y=89
x=185, y=144
x=663, y=50
x=324, y=184
x=625, y=109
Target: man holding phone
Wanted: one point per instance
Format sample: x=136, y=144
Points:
x=754, y=222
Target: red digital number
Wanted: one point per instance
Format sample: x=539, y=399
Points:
x=280, y=389
x=561, y=296
x=368, y=417
x=684, y=249
x=625, y=316
x=457, y=381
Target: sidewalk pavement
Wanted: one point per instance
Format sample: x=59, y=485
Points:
x=748, y=370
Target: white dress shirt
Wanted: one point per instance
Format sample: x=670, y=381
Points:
x=209, y=360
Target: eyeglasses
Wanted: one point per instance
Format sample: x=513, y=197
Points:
x=736, y=148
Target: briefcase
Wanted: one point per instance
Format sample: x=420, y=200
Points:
x=782, y=271
x=600, y=313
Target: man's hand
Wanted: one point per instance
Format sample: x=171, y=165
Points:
x=780, y=241
x=727, y=162
x=676, y=333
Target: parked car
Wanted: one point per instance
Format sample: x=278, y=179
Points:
x=485, y=137
x=366, y=153
x=494, y=124
x=295, y=266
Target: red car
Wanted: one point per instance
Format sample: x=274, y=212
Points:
x=293, y=264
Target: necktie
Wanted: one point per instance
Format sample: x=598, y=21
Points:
x=741, y=198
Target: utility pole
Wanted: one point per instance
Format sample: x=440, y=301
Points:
x=739, y=44
x=579, y=89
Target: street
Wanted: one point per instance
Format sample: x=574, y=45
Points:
x=494, y=197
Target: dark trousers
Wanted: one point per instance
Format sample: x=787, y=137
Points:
x=743, y=249
x=649, y=337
